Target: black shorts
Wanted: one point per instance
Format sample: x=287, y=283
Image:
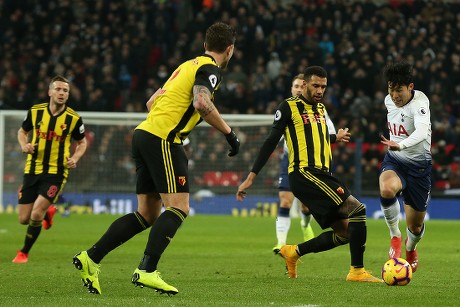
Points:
x=320, y=192
x=47, y=185
x=161, y=166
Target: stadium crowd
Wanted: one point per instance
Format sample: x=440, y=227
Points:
x=118, y=52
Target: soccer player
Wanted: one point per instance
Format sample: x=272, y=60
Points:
x=53, y=125
x=161, y=163
x=406, y=167
x=287, y=199
x=302, y=121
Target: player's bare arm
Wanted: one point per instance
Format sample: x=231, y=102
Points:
x=26, y=147
x=79, y=151
x=202, y=102
x=246, y=184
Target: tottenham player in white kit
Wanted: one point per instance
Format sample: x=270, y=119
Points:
x=406, y=167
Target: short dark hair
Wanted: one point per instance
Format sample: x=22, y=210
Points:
x=219, y=36
x=398, y=74
x=58, y=78
x=314, y=71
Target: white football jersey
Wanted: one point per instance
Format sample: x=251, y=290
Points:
x=410, y=127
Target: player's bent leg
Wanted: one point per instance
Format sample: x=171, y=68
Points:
x=48, y=220
x=395, y=248
x=412, y=258
x=89, y=271
x=152, y=280
x=305, y=224
x=415, y=231
x=357, y=234
x=283, y=220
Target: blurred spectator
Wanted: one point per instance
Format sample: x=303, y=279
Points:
x=117, y=53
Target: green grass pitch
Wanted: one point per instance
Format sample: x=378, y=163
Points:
x=221, y=261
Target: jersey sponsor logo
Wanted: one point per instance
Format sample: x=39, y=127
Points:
x=182, y=180
x=277, y=115
x=213, y=80
x=49, y=136
x=397, y=129
x=308, y=119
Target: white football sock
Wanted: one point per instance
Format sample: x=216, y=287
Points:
x=391, y=215
x=413, y=239
x=282, y=228
x=305, y=221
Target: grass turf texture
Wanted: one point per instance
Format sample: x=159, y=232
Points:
x=221, y=261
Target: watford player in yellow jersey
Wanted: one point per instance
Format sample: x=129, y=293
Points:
x=52, y=127
x=175, y=109
x=302, y=121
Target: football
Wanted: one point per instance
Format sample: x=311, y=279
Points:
x=397, y=272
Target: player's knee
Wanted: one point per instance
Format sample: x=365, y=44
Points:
x=389, y=190
x=24, y=220
x=358, y=212
x=341, y=239
x=387, y=193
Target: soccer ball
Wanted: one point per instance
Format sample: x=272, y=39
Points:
x=397, y=272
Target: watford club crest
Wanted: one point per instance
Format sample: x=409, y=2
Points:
x=182, y=180
x=340, y=190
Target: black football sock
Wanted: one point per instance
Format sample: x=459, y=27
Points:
x=357, y=233
x=325, y=241
x=120, y=231
x=161, y=234
x=33, y=231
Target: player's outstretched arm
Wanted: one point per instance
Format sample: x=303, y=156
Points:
x=246, y=184
x=202, y=102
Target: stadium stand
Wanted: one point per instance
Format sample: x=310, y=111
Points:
x=118, y=52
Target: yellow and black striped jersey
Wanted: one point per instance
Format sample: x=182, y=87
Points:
x=52, y=136
x=172, y=115
x=306, y=133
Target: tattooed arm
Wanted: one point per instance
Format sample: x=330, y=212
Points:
x=202, y=102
